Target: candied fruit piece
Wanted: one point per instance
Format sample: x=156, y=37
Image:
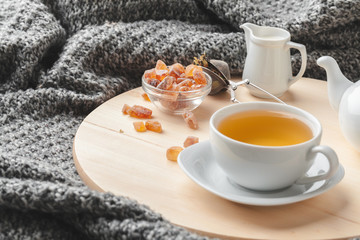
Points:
x=170, y=105
x=161, y=70
x=170, y=96
x=153, y=82
x=172, y=153
x=199, y=76
x=125, y=109
x=186, y=82
x=176, y=70
x=138, y=111
x=161, y=74
x=146, y=97
x=190, y=140
x=197, y=86
x=154, y=126
x=183, y=104
x=167, y=83
x=173, y=87
x=190, y=120
x=169, y=100
x=184, y=88
x=190, y=68
x=139, y=126
x=149, y=74
x=160, y=65
x=179, y=80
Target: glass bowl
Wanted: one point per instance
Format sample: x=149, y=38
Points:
x=176, y=102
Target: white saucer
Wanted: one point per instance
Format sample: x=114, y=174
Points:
x=199, y=164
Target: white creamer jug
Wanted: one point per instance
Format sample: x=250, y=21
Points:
x=268, y=63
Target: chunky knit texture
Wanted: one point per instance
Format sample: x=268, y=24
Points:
x=61, y=59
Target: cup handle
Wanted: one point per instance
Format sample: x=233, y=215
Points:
x=303, y=54
x=333, y=165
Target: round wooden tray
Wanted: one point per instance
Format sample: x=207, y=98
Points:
x=111, y=156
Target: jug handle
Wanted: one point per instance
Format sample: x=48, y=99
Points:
x=302, y=51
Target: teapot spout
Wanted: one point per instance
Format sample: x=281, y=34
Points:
x=336, y=81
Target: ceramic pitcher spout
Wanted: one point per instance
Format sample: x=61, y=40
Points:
x=336, y=81
x=248, y=28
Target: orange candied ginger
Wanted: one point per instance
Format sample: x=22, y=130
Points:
x=167, y=83
x=150, y=74
x=146, y=97
x=138, y=111
x=172, y=153
x=190, y=140
x=160, y=65
x=185, y=82
x=190, y=120
x=175, y=77
x=189, y=70
x=171, y=101
x=176, y=70
x=125, y=109
x=139, y=126
x=161, y=70
x=154, y=126
x=199, y=76
x=153, y=82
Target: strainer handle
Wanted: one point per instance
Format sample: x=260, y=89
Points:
x=234, y=86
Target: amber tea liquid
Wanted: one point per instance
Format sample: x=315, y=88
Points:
x=266, y=128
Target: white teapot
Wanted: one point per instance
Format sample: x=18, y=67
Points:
x=344, y=97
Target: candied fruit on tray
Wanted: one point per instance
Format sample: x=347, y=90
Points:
x=139, y=126
x=172, y=153
x=190, y=120
x=154, y=126
x=145, y=97
x=190, y=140
x=138, y=111
x=125, y=109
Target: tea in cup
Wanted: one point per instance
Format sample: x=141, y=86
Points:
x=268, y=146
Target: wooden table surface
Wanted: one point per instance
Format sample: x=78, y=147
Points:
x=111, y=156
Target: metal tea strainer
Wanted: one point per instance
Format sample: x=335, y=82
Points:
x=220, y=74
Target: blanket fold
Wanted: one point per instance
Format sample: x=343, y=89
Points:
x=59, y=60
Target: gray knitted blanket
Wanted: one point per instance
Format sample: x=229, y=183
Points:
x=61, y=59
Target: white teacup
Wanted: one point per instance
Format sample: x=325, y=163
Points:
x=266, y=168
